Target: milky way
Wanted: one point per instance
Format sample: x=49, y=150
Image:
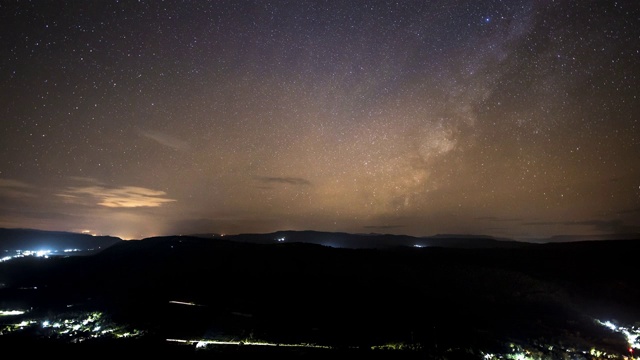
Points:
x=516, y=119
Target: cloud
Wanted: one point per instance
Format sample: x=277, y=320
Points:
x=383, y=226
x=614, y=226
x=284, y=180
x=495, y=218
x=629, y=211
x=84, y=179
x=121, y=197
x=166, y=140
x=13, y=183
x=545, y=223
x=10, y=188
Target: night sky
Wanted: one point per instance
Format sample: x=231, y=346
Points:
x=514, y=118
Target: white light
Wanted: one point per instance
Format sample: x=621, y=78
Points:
x=631, y=336
x=182, y=303
x=41, y=253
x=11, y=312
x=632, y=339
x=45, y=323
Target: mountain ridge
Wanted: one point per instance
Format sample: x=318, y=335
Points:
x=15, y=239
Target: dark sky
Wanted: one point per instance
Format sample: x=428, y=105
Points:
x=515, y=118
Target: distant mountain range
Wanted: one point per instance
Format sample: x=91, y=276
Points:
x=367, y=241
x=573, y=238
x=31, y=239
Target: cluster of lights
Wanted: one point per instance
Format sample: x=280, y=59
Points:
x=397, y=346
x=632, y=334
x=518, y=352
x=37, y=253
x=94, y=325
x=17, y=327
x=203, y=344
x=68, y=326
x=77, y=329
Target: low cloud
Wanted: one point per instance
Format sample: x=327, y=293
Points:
x=612, y=226
x=10, y=188
x=284, y=180
x=120, y=197
x=545, y=223
x=383, y=227
x=495, y=218
x=629, y=211
x=166, y=140
x=85, y=180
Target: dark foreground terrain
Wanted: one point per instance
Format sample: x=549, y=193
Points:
x=190, y=296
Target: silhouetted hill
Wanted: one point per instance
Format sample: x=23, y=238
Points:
x=456, y=293
x=372, y=241
x=31, y=239
x=296, y=292
x=575, y=238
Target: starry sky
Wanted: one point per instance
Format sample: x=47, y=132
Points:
x=516, y=118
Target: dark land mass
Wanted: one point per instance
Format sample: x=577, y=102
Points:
x=30, y=239
x=371, y=241
x=433, y=302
